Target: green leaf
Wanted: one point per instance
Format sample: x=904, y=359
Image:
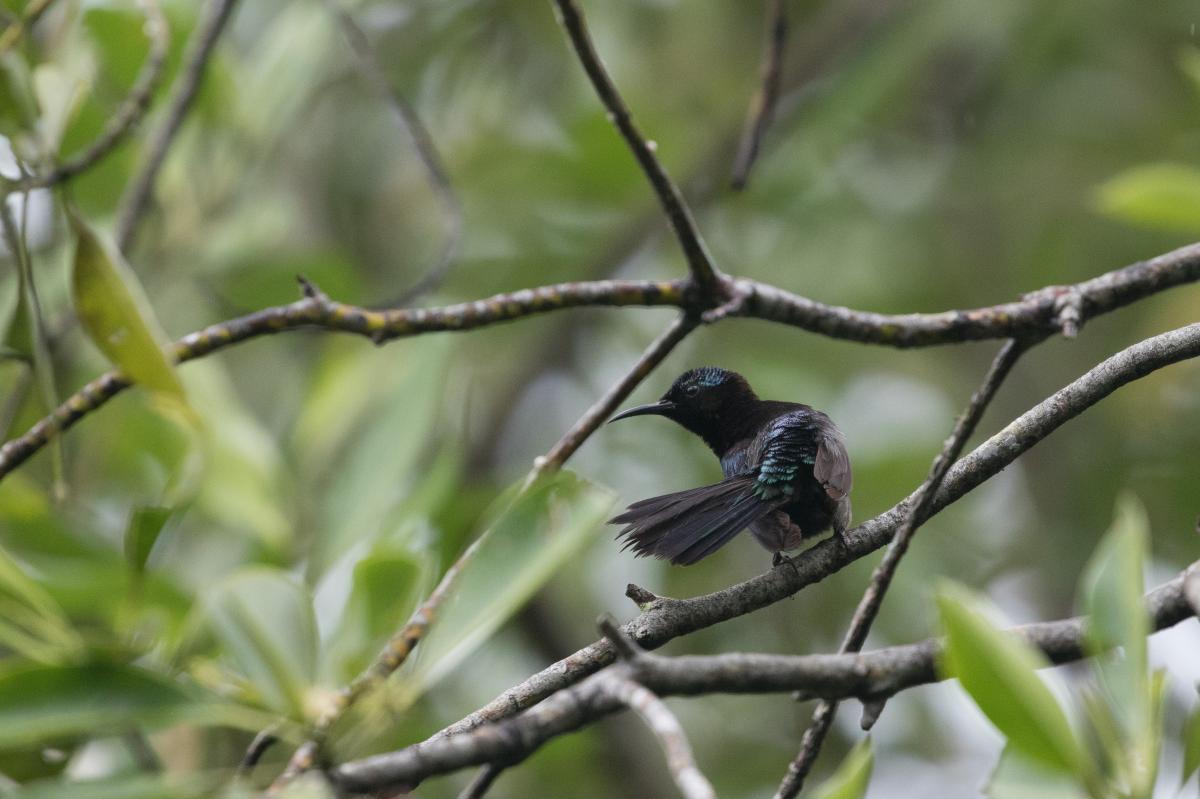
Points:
x=1111, y=593
x=43, y=703
x=1189, y=62
x=1191, y=745
x=31, y=622
x=18, y=108
x=243, y=486
x=999, y=671
x=536, y=534
x=117, y=316
x=59, y=91
x=852, y=776
x=264, y=619
x=192, y=785
x=145, y=524
x=27, y=332
x=383, y=456
x=1160, y=196
x=1019, y=777
x=387, y=585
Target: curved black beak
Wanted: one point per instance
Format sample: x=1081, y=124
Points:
x=660, y=408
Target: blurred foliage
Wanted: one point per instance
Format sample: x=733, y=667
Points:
x=1122, y=708
x=192, y=576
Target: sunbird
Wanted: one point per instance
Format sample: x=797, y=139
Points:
x=787, y=473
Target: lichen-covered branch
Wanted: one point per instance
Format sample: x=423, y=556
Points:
x=881, y=673
x=664, y=618
x=1035, y=315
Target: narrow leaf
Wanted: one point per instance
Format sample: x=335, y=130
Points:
x=852, y=776
x=1191, y=745
x=31, y=622
x=999, y=671
x=192, y=785
x=264, y=618
x=146, y=522
x=1160, y=196
x=1019, y=777
x=539, y=531
x=44, y=703
x=114, y=311
x=1111, y=594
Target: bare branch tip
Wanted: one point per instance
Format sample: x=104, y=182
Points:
x=871, y=710
x=640, y=596
x=310, y=290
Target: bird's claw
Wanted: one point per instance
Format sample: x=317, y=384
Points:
x=779, y=559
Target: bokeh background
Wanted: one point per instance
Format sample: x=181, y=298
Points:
x=926, y=155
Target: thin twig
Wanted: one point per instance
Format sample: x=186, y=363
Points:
x=881, y=578
x=1191, y=588
x=482, y=782
x=142, y=751
x=426, y=149
x=1035, y=314
x=12, y=34
x=704, y=270
x=666, y=728
x=668, y=618
x=127, y=115
x=882, y=672
x=658, y=350
x=136, y=198
x=762, y=107
x=258, y=747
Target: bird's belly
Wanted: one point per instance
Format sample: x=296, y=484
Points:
x=776, y=532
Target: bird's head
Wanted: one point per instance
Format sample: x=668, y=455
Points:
x=701, y=400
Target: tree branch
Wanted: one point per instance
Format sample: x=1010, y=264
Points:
x=875, y=674
x=881, y=578
x=762, y=107
x=1035, y=315
x=136, y=199
x=32, y=13
x=426, y=149
x=700, y=262
x=659, y=349
x=667, y=618
x=623, y=684
x=127, y=115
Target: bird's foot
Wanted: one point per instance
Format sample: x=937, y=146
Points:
x=779, y=559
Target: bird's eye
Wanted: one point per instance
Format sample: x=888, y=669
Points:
x=692, y=391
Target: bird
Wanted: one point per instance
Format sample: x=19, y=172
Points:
x=787, y=473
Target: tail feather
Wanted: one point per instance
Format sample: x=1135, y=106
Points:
x=689, y=525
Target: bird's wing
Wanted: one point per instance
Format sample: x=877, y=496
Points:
x=832, y=464
x=780, y=451
x=795, y=440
